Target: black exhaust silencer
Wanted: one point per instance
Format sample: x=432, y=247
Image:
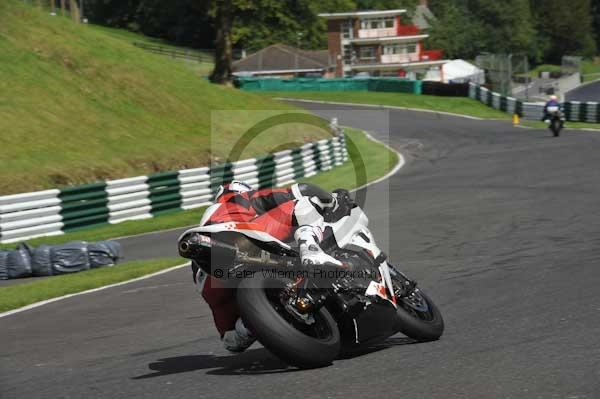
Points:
x=206, y=250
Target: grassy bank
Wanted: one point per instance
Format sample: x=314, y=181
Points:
x=16, y=296
x=80, y=104
x=201, y=68
x=456, y=105
x=377, y=158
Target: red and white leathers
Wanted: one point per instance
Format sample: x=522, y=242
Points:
x=285, y=213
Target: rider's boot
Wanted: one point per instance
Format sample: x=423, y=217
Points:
x=239, y=339
x=308, y=238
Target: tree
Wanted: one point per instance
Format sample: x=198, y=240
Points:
x=254, y=24
x=456, y=32
x=595, y=7
x=565, y=28
x=292, y=22
x=409, y=5
x=508, y=25
x=224, y=13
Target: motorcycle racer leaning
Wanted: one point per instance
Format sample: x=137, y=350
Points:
x=299, y=212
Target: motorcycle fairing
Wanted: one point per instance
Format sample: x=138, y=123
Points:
x=249, y=229
x=352, y=232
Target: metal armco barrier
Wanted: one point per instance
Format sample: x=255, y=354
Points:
x=53, y=212
x=574, y=111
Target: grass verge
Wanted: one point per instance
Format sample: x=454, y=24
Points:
x=16, y=296
x=456, y=105
x=376, y=157
x=80, y=104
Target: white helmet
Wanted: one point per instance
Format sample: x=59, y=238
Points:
x=235, y=186
x=553, y=97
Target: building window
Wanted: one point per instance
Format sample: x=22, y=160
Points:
x=399, y=49
x=367, y=53
x=394, y=49
x=377, y=23
x=348, y=54
x=346, y=30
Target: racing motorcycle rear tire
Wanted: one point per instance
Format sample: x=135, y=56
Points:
x=277, y=334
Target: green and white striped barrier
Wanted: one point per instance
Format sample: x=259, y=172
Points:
x=574, y=111
x=54, y=212
x=505, y=104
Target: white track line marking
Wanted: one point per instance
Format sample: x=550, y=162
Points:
x=60, y=298
x=399, y=165
x=383, y=106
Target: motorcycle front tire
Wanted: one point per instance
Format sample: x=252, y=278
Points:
x=555, y=128
x=423, y=330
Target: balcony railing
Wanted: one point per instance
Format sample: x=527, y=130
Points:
x=364, y=61
x=374, y=33
x=399, y=58
x=426, y=55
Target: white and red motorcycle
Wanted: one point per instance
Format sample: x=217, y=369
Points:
x=308, y=316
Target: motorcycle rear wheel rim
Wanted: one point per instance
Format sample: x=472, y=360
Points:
x=319, y=330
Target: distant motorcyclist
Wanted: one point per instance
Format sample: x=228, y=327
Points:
x=298, y=212
x=552, y=106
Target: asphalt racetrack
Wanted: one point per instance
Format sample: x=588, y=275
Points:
x=501, y=226
x=586, y=92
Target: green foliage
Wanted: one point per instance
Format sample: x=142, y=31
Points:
x=183, y=22
x=456, y=32
x=595, y=13
x=565, y=28
x=464, y=28
x=543, y=29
